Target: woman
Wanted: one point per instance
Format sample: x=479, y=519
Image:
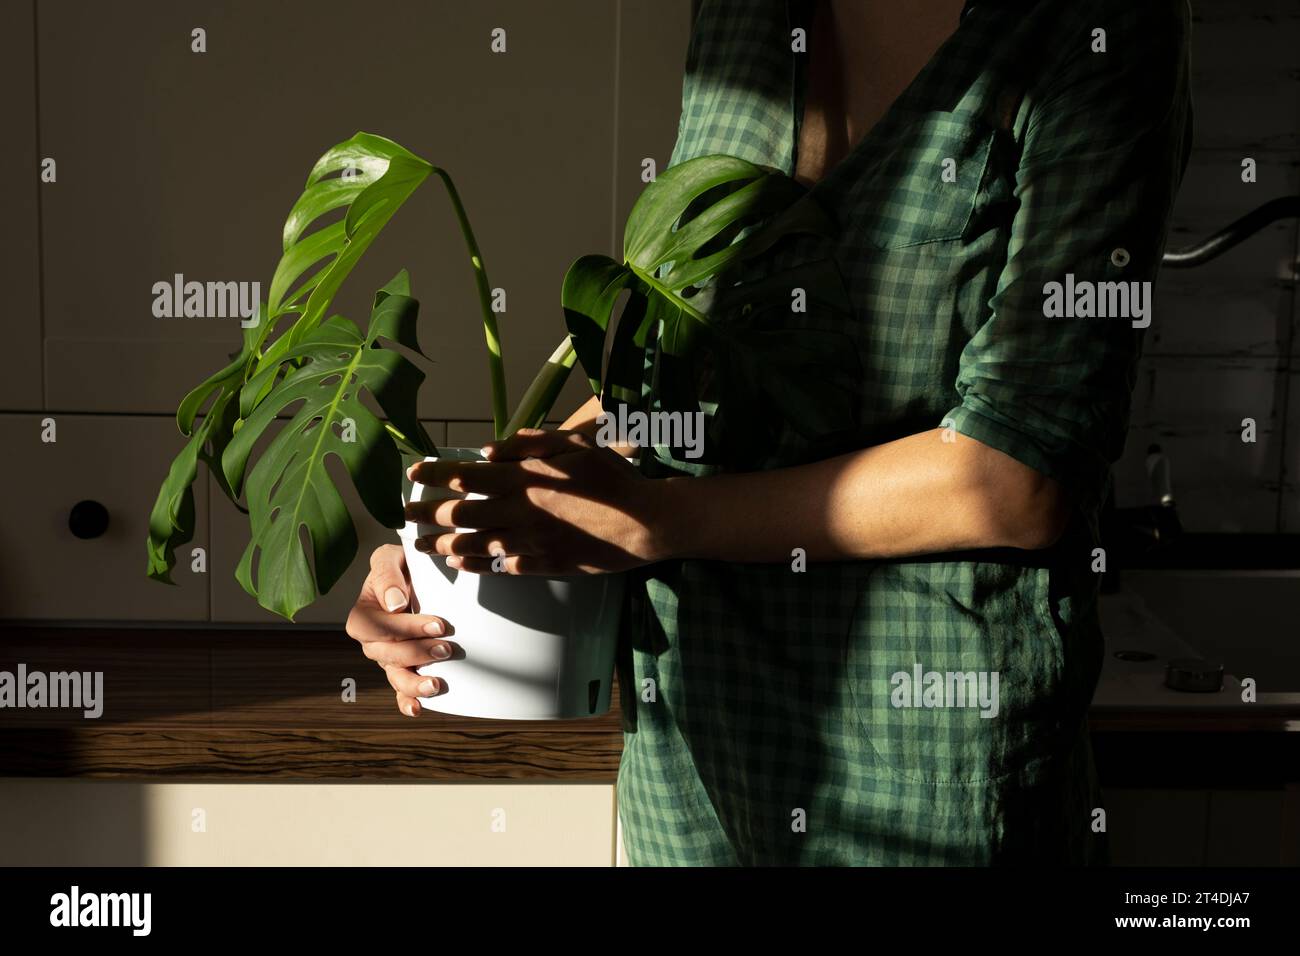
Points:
x=917, y=692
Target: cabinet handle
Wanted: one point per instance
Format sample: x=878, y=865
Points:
x=88, y=519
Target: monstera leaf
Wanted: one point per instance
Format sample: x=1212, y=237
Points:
x=289, y=490
x=171, y=522
x=685, y=235
x=375, y=176
x=806, y=377
x=366, y=179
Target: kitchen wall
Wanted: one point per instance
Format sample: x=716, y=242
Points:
x=1223, y=343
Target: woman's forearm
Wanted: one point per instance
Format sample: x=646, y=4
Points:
x=916, y=495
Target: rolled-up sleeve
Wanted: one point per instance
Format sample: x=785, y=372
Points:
x=1104, y=139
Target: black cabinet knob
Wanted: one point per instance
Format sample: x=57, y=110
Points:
x=88, y=519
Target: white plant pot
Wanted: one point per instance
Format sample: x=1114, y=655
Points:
x=530, y=648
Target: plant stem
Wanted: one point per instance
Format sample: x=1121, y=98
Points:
x=542, y=393
x=495, y=366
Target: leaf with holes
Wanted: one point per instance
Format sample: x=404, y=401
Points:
x=289, y=489
x=367, y=178
x=375, y=176
x=685, y=233
x=171, y=523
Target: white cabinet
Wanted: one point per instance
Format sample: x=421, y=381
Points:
x=114, y=465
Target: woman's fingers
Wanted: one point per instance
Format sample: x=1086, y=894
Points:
x=483, y=544
x=410, y=684
x=407, y=653
x=398, y=642
x=535, y=443
x=468, y=477
x=510, y=564
x=452, y=513
x=369, y=623
x=387, y=582
x=371, y=619
x=496, y=479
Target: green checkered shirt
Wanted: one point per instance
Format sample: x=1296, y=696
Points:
x=760, y=714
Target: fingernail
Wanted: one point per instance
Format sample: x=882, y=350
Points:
x=440, y=652
x=410, y=710
x=486, y=451
x=410, y=472
x=427, y=688
x=394, y=599
x=454, y=561
x=433, y=628
x=423, y=545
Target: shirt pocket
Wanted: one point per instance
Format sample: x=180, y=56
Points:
x=954, y=672
x=923, y=185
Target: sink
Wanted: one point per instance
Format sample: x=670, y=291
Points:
x=1249, y=621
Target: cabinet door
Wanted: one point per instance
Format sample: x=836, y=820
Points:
x=232, y=604
x=20, y=386
x=173, y=161
x=112, y=467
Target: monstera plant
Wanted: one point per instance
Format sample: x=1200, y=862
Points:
x=690, y=226
x=685, y=248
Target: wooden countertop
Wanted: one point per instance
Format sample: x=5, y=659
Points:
x=262, y=704
x=211, y=703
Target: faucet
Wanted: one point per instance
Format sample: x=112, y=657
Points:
x=1142, y=529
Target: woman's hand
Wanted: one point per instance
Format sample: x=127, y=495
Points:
x=556, y=504
x=398, y=642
